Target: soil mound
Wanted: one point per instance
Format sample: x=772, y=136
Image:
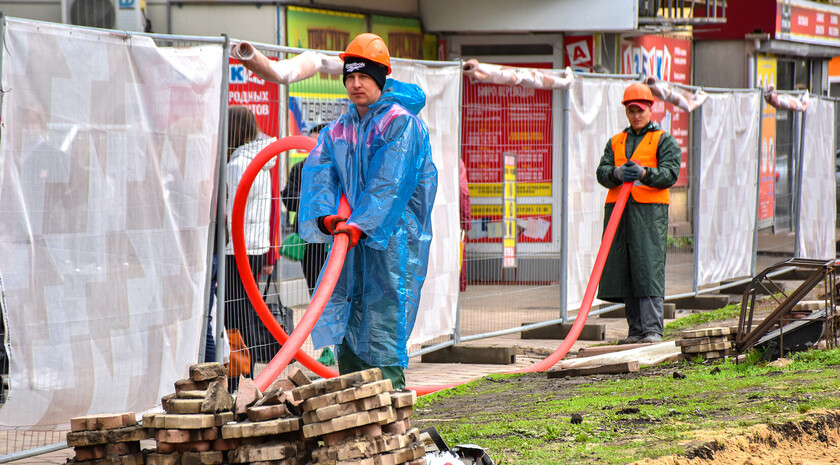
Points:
x=813, y=441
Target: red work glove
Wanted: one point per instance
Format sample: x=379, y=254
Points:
x=352, y=231
x=328, y=223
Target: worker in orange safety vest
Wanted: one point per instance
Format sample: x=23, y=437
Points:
x=634, y=272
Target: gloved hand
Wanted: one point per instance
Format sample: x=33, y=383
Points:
x=353, y=233
x=628, y=172
x=328, y=223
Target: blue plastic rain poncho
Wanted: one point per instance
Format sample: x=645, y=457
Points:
x=383, y=164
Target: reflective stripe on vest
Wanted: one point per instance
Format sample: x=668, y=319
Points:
x=645, y=155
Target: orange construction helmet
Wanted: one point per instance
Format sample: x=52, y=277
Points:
x=368, y=46
x=637, y=91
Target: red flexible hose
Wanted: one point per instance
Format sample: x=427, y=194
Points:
x=586, y=305
x=291, y=344
x=291, y=347
x=244, y=268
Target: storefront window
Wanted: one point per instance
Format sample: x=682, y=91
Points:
x=794, y=74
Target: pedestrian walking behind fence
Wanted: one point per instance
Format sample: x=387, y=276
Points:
x=378, y=155
x=634, y=272
x=249, y=339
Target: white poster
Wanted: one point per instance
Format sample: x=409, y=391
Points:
x=108, y=159
x=596, y=114
x=442, y=114
x=818, y=208
x=728, y=186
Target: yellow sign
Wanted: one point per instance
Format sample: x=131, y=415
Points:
x=522, y=210
x=766, y=74
x=526, y=189
x=509, y=218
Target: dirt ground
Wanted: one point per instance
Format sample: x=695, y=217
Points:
x=815, y=441
x=812, y=442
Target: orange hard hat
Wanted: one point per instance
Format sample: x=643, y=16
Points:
x=368, y=46
x=637, y=91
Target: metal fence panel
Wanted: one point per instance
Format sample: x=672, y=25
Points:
x=105, y=161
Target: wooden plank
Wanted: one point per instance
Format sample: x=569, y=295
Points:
x=600, y=350
x=607, y=369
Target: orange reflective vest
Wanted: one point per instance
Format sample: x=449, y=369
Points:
x=645, y=155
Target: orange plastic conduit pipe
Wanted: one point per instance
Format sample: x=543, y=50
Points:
x=585, y=306
x=291, y=344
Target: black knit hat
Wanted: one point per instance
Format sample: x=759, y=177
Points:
x=353, y=64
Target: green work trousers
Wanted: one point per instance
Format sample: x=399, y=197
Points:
x=349, y=362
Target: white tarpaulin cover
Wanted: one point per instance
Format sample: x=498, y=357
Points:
x=818, y=208
x=108, y=158
x=439, y=298
x=728, y=179
x=596, y=114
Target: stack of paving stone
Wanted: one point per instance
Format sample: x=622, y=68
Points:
x=106, y=440
x=353, y=419
x=360, y=421
x=708, y=343
x=268, y=426
x=186, y=433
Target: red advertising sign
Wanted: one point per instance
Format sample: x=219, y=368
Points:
x=247, y=89
x=808, y=22
x=667, y=59
x=580, y=51
x=499, y=119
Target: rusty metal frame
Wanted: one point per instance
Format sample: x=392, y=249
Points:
x=822, y=271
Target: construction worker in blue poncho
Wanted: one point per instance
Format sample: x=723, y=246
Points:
x=378, y=155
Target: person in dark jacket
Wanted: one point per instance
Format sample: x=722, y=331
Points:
x=634, y=272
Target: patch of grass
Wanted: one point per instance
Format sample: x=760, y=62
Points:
x=677, y=242
x=526, y=418
x=696, y=319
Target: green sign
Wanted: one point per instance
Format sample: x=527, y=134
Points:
x=308, y=28
x=404, y=36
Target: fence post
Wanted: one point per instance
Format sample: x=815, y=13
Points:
x=456, y=332
x=797, y=199
x=694, y=178
x=221, y=221
x=564, y=208
x=754, y=262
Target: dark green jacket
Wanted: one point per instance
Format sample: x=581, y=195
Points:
x=636, y=262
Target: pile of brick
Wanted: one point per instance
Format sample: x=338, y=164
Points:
x=355, y=419
x=360, y=420
x=186, y=434
x=106, y=439
x=707, y=343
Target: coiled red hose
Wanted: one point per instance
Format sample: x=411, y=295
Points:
x=291, y=344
